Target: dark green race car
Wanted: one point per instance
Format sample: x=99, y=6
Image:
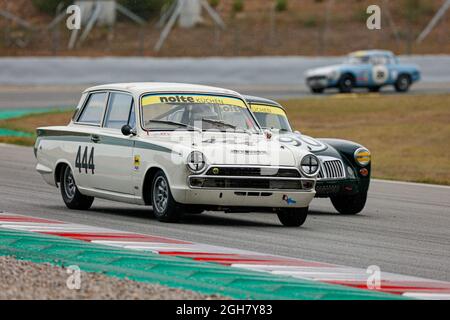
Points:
x=344, y=176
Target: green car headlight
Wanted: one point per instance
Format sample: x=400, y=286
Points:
x=362, y=157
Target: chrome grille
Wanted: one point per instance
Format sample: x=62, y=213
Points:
x=331, y=169
x=244, y=183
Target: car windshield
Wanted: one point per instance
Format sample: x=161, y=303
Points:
x=271, y=117
x=196, y=112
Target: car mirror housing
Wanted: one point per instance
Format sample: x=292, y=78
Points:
x=127, y=130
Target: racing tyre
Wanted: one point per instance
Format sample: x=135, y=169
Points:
x=349, y=205
x=346, y=84
x=403, y=83
x=317, y=90
x=293, y=217
x=70, y=193
x=164, y=206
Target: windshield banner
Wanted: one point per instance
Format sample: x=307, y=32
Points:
x=191, y=98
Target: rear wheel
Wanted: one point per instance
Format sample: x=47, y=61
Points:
x=293, y=217
x=346, y=83
x=349, y=205
x=70, y=193
x=164, y=206
x=403, y=83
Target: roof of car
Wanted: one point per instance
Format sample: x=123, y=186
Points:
x=253, y=99
x=371, y=52
x=145, y=87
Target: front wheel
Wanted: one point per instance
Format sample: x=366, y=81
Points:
x=293, y=217
x=346, y=84
x=70, y=193
x=349, y=205
x=164, y=206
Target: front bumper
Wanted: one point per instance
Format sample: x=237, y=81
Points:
x=244, y=197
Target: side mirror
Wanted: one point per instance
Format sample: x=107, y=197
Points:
x=127, y=130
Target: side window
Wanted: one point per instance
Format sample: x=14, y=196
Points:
x=132, y=119
x=93, y=111
x=379, y=60
x=120, y=111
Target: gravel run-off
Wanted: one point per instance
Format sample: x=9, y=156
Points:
x=25, y=280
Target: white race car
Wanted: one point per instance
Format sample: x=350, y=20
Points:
x=177, y=147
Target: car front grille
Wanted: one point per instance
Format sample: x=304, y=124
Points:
x=331, y=169
x=253, y=172
x=244, y=183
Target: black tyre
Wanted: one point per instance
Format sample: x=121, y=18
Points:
x=164, y=206
x=346, y=83
x=293, y=217
x=317, y=90
x=403, y=83
x=375, y=89
x=349, y=205
x=70, y=193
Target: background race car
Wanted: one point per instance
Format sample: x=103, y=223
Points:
x=344, y=174
x=371, y=69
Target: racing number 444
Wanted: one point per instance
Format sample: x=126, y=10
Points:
x=82, y=162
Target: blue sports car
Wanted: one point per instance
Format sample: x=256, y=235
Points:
x=370, y=69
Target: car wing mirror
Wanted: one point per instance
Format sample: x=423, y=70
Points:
x=128, y=130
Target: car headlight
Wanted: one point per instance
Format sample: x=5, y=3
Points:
x=310, y=165
x=196, y=162
x=362, y=157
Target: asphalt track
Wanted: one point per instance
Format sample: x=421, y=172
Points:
x=57, y=96
x=43, y=82
x=405, y=228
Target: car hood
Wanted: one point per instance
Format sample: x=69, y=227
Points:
x=323, y=71
x=230, y=148
x=302, y=141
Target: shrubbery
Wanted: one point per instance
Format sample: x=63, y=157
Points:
x=49, y=6
x=143, y=8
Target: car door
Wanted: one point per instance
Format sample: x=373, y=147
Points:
x=379, y=74
x=88, y=123
x=114, y=151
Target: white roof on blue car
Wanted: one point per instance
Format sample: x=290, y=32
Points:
x=361, y=53
x=139, y=88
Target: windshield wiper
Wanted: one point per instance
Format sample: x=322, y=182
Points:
x=232, y=126
x=174, y=123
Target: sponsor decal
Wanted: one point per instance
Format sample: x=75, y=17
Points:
x=192, y=99
x=137, y=162
x=288, y=200
x=260, y=108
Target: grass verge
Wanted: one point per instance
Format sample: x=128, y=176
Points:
x=407, y=135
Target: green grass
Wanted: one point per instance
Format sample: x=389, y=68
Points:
x=29, y=124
